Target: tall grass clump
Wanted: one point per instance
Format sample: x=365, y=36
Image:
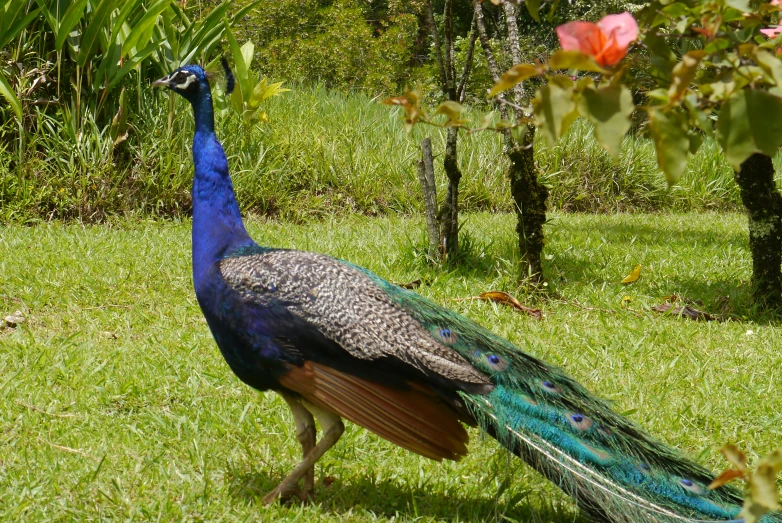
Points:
x=323, y=152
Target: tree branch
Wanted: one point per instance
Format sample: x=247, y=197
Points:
x=468, y=61
x=438, y=49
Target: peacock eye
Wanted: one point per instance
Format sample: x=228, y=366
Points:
x=447, y=336
x=551, y=387
x=579, y=421
x=495, y=362
x=690, y=485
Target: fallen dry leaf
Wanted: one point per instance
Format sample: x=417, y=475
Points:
x=507, y=299
x=633, y=276
x=686, y=311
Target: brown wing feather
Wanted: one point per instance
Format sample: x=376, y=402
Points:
x=414, y=419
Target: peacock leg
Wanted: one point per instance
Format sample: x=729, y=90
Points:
x=305, y=433
x=332, y=427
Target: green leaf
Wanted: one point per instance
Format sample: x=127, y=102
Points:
x=8, y=94
x=130, y=63
x=247, y=53
x=770, y=64
x=91, y=37
x=750, y=121
x=16, y=26
x=735, y=456
x=519, y=132
x=554, y=109
x=669, y=132
x=574, y=60
x=243, y=11
x=774, y=460
x=739, y=5
x=452, y=110
x=764, y=486
x=143, y=26
x=69, y=20
x=533, y=6
x=516, y=74
x=242, y=73
x=609, y=109
x=684, y=73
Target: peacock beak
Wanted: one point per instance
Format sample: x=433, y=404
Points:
x=163, y=82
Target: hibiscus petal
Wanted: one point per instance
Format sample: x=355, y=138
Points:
x=581, y=36
x=622, y=27
x=772, y=31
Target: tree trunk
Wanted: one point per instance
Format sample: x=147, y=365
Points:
x=449, y=230
x=426, y=177
x=763, y=202
x=529, y=199
x=529, y=196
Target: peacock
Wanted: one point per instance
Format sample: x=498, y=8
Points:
x=338, y=342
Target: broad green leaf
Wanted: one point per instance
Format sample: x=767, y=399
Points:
x=519, y=132
x=684, y=73
x=764, y=486
x=12, y=10
x=141, y=31
x=16, y=26
x=669, y=132
x=750, y=121
x=48, y=14
x=739, y=5
x=8, y=94
x=676, y=9
x=243, y=11
x=774, y=460
x=533, y=6
x=130, y=63
x=696, y=140
x=241, y=71
x=574, y=60
x=516, y=74
x=609, y=109
x=209, y=23
x=69, y=20
x=554, y=109
x=247, y=53
x=770, y=64
x=91, y=37
x=735, y=456
x=453, y=110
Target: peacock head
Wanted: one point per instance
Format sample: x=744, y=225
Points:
x=192, y=82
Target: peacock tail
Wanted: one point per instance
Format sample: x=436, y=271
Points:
x=606, y=463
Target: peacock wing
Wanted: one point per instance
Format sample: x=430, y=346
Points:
x=346, y=306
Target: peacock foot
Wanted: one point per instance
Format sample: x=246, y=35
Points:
x=286, y=493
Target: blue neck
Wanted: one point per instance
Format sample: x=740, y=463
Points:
x=217, y=222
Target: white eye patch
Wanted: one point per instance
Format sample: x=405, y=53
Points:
x=184, y=85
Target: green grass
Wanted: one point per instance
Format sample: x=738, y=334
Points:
x=116, y=404
x=324, y=153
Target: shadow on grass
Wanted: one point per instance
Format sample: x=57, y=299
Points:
x=724, y=296
x=389, y=499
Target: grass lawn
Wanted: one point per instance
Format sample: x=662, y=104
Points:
x=116, y=404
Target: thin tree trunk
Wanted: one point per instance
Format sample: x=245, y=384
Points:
x=449, y=214
x=529, y=196
x=763, y=202
x=449, y=229
x=426, y=177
